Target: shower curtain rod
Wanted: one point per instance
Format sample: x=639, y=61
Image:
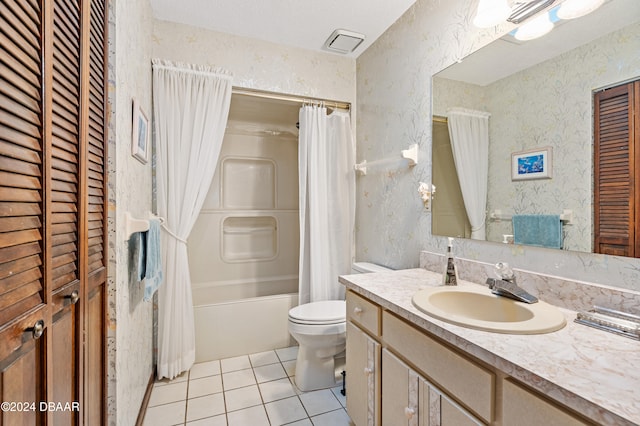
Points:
x=290, y=98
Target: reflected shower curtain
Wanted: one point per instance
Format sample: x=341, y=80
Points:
x=469, y=132
x=191, y=107
x=326, y=155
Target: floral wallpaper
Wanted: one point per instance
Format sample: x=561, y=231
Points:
x=394, y=110
x=129, y=334
x=258, y=64
x=526, y=114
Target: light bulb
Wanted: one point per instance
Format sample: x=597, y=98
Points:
x=491, y=13
x=572, y=9
x=537, y=27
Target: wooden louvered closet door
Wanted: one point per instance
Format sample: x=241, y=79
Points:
x=52, y=210
x=617, y=170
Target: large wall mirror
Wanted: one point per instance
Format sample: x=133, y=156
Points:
x=538, y=96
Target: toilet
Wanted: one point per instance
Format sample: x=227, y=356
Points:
x=320, y=330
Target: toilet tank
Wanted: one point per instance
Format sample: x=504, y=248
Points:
x=366, y=267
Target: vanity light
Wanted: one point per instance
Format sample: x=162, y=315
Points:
x=537, y=27
x=572, y=9
x=491, y=12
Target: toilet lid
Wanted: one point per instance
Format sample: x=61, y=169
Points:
x=325, y=312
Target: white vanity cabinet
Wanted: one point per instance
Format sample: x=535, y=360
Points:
x=409, y=399
x=363, y=361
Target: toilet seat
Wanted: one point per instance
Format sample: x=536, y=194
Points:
x=319, y=313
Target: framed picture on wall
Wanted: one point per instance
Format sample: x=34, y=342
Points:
x=140, y=134
x=532, y=164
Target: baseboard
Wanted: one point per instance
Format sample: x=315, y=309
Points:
x=145, y=400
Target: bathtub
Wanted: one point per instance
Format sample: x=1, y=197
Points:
x=239, y=318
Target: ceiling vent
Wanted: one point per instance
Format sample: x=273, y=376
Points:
x=343, y=41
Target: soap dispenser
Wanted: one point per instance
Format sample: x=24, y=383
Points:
x=450, y=274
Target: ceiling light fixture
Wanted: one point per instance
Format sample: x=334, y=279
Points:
x=537, y=27
x=491, y=12
x=572, y=9
x=343, y=41
x=523, y=10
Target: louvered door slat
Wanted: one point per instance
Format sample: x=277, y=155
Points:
x=20, y=160
x=65, y=132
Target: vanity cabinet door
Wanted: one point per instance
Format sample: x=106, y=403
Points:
x=409, y=399
x=399, y=392
x=363, y=378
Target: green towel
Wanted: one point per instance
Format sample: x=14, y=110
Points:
x=542, y=230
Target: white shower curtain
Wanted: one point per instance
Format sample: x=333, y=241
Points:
x=326, y=156
x=191, y=107
x=469, y=132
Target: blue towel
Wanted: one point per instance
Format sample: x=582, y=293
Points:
x=537, y=230
x=153, y=260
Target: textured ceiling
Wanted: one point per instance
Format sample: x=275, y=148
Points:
x=301, y=23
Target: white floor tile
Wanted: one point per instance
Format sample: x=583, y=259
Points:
x=287, y=354
x=205, y=406
x=320, y=401
x=168, y=414
x=263, y=358
x=246, y=397
x=285, y=411
x=290, y=367
x=205, y=386
x=266, y=373
x=238, y=379
x=164, y=394
x=333, y=418
x=305, y=422
x=254, y=416
x=276, y=389
x=181, y=378
x=235, y=363
x=339, y=395
x=220, y=420
x=204, y=369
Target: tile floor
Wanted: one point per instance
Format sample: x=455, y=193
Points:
x=249, y=390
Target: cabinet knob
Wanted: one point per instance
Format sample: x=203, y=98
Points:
x=37, y=329
x=357, y=310
x=73, y=297
x=368, y=371
x=409, y=412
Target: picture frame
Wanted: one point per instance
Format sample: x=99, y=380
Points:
x=532, y=164
x=140, y=134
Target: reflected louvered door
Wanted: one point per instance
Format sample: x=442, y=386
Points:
x=616, y=170
x=23, y=301
x=52, y=210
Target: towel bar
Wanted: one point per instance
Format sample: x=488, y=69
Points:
x=496, y=215
x=133, y=225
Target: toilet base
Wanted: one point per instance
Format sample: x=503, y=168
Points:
x=314, y=372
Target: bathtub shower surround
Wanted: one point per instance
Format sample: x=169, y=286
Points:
x=191, y=106
x=243, y=250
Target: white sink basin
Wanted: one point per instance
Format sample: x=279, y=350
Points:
x=474, y=306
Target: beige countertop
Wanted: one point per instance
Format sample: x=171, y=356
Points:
x=591, y=371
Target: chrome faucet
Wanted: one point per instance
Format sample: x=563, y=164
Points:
x=506, y=285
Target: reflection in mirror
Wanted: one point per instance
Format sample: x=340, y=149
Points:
x=539, y=96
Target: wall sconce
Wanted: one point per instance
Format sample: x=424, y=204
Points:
x=427, y=192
